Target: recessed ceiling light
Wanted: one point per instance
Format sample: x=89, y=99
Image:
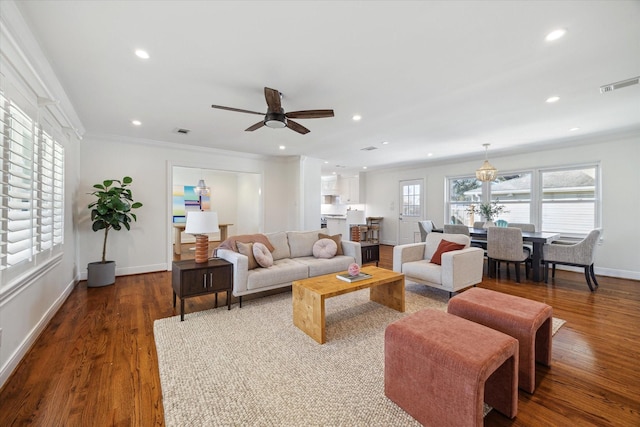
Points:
x=282, y=147
x=326, y=162
x=364, y=167
x=573, y=129
x=142, y=54
x=555, y=34
x=553, y=99
x=136, y=122
x=357, y=117
x=429, y=154
x=385, y=142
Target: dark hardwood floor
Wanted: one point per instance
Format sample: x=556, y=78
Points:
x=95, y=364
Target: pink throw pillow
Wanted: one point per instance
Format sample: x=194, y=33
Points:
x=263, y=255
x=325, y=248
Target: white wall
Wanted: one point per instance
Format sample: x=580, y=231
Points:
x=147, y=247
x=26, y=308
x=619, y=157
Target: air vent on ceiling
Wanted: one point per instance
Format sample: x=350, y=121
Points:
x=370, y=148
x=618, y=85
x=182, y=131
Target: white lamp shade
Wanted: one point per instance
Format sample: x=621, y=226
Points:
x=201, y=222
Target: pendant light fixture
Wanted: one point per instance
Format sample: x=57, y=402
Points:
x=202, y=189
x=486, y=171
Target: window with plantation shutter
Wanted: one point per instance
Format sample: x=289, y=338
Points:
x=32, y=188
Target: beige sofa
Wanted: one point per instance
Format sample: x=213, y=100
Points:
x=292, y=260
x=459, y=269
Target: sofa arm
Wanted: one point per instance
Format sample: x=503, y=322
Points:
x=462, y=268
x=352, y=249
x=240, y=268
x=407, y=253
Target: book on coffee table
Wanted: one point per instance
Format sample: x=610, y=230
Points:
x=349, y=278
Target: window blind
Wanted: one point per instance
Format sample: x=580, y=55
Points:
x=31, y=211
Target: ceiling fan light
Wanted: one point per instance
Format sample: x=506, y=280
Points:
x=275, y=124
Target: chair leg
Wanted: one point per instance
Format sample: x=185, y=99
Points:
x=546, y=272
x=553, y=270
x=527, y=269
x=588, y=277
x=517, y=266
x=593, y=276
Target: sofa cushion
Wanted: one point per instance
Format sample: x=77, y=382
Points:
x=281, y=245
x=301, y=242
x=445, y=246
x=230, y=243
x=324, y=248
x=320, y=266
x=262, y=255
x=246, y=249
x=281, y=273
x=336, y=238
x=423, y=270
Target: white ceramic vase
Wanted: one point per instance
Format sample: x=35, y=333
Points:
x=488, y=224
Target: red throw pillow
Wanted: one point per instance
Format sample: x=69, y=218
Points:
x=445, y=246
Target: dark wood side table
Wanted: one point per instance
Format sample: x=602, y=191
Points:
x=191, y=279
x=370, y=253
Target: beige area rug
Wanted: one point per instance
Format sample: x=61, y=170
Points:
x=252, y=367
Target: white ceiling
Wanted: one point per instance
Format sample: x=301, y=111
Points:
x=439, y=77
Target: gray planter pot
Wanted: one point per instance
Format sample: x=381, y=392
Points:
x=99, y=274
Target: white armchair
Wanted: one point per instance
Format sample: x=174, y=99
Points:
x=459, y=269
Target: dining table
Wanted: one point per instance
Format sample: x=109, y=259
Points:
x=537, y=238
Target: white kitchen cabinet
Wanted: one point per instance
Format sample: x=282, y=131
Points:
x=336, y=226
x=349, y=189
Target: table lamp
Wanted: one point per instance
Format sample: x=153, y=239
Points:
x=199, y=223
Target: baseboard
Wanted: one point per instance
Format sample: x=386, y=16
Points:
x=30, y=339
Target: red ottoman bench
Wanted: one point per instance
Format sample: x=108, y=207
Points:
x=530, y=322
x=440, y=368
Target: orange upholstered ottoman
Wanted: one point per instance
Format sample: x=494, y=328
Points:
x=530, y=322
x=440, y=368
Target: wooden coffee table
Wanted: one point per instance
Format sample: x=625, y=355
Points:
x=386, y=287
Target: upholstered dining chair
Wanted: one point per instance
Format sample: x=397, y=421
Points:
x=501, y=223
x=478, y=224
x=456, y=229
x=580, y=254
x=505, y=244
x=425, y=227
x=523, y=226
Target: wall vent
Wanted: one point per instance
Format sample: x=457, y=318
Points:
x=370, y=148
x=619, y=85
x=182, y=131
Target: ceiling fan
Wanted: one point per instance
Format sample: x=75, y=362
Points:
x=276, y=117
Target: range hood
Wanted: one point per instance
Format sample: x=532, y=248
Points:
x=331, y=199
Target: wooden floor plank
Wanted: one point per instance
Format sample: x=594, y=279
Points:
x=96, y=364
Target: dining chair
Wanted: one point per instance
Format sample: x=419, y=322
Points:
x=504, y=244
x=478, y=224
x=501, y=223
x=523, y=226
x=580, y=254
x=425, y=227
x=456, y=229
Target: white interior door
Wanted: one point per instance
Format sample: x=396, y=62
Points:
x=411, y=208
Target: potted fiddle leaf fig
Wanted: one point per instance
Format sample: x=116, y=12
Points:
x=112, y=210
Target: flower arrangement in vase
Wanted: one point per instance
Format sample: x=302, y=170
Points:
x=489, y=211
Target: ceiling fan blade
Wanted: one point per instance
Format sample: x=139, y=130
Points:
x=254, y=127
x=297, y=127
x=273, y=99
x=309, y=114
x=220, y=107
